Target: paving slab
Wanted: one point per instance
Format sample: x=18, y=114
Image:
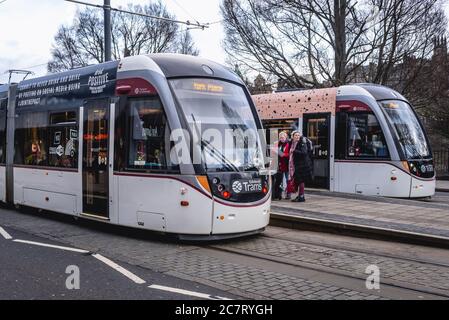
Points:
x=443, y=185
x=401, y=216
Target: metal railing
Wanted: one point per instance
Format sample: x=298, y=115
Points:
x=441, y=161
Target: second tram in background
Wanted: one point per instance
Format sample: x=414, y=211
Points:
x=367, y=138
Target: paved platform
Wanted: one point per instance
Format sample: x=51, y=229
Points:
x=443, y=185
x=407, y=218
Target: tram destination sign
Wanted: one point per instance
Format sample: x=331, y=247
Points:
x=92, y=81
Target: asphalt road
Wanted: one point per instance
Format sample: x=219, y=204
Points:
x=30, y=271
x=281, y=264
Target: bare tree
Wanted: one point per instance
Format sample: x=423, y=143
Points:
x=294, y=38
x=186, y=44
x=325, y=42
x=405, y=30
x=253, y=41
x=82, y=43
x=65, y=53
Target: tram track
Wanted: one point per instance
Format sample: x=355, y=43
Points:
x=347, y=248
x=351, y=276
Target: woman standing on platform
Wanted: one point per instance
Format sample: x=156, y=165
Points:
x=283, y=154
x=300, y=167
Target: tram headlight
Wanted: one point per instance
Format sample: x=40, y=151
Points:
x=413, y=168
x=221, y=188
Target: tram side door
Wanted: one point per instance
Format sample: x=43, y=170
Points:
x=96, y=158
x=316, y=127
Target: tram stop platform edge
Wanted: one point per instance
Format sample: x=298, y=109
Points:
x=411, y=221
x=442, y=186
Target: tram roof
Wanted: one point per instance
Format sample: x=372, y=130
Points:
x=172, y=65
x=292, y=104
x=178, y=65
x=380, y=92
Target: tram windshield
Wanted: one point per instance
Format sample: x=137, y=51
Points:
x=408, y=130
x=219, y=112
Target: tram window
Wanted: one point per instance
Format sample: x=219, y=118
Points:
x=120, y=137
x=365, y=137
x=69, y=117
x=63, y=140
x=31, y=139
x=148, y=135
x=47, y=139
x=340, y=135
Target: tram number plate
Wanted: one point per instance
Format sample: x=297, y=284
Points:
x=246, y=186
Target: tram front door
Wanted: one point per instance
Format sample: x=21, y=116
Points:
x=316, y=128
x=95, y=158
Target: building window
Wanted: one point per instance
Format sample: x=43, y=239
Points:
x=47, y=139
x=365, y=137
x=149, y=135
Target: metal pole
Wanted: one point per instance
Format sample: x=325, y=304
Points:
x=107, y=31
x=10, y=127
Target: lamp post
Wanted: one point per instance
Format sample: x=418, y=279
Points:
x=107, y=30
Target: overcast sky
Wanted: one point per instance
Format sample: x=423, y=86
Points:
x=27, y=29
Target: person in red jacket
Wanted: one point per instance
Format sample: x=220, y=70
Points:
x=283, y=152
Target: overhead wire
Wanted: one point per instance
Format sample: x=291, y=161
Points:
x=189, y=23
x=187, y=12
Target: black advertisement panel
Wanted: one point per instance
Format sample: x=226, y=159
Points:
x=68, y=88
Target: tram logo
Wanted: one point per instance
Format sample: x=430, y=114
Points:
x=427, y=168
x=246, y=186
x=237, y=187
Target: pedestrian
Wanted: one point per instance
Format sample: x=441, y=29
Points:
x=300, y=167
x=283, y=154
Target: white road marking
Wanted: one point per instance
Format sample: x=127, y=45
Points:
x=187, y=293
x=120, y=269
x=5, y=234
x=51, y=246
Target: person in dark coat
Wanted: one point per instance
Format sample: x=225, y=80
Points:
x=283, y=154
x=300, y=163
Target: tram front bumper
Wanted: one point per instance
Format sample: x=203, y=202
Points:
x=230, y=219
x=422, y=189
